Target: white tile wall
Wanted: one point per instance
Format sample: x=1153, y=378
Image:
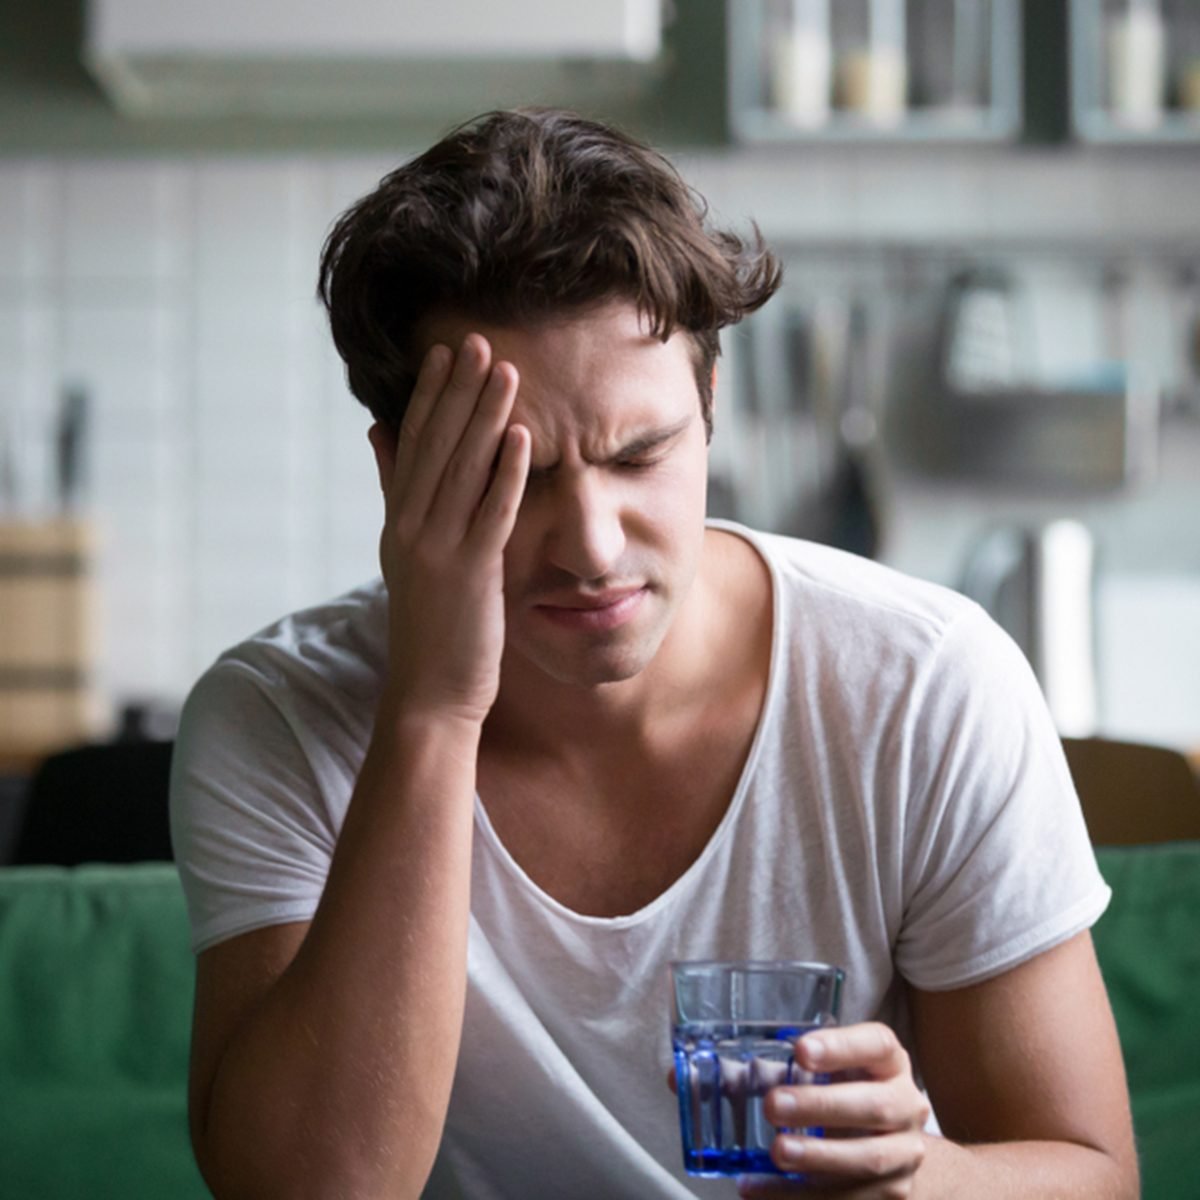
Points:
x=122, y=222
x=29, y=343
x=29, y=216
x=230, y=469
x=181, y=296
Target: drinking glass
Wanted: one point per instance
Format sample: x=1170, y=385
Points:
x=734, y=1029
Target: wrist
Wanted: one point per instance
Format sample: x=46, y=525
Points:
x=405, y=720
x=425, y=756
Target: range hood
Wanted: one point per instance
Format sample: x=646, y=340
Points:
x=396, y=58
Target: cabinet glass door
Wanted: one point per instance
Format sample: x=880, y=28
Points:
x=874, y=69
x=1135, y=70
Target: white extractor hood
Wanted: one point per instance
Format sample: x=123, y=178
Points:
x=341, y=58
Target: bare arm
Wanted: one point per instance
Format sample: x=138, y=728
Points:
x=323, y=1054
x=1029, y=1061
x=1024, y=1072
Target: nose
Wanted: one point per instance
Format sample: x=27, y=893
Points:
x=586, y=536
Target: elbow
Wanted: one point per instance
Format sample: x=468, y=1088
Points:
x=1128, y=1177
x=1121, y=1177
x=253, y=1169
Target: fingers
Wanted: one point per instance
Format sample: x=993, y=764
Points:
x=849, y=1163
x=873, y=1088
x=875, y=1167
x=475, y=463
x=840, y=1108
x=497, y=513
x=432, y=379
x=448, y=389
x=872, y=1115
x=870, y=1047
x=455, y=467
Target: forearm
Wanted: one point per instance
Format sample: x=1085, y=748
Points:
x=338, y=1081
x=1022, y=1171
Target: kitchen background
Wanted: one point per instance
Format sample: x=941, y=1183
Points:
x=984, y=368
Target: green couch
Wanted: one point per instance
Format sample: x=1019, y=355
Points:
x=1148, y=943
x=95, y=1015
x=96, y=994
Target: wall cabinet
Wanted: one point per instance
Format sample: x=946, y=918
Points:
x=1135, y=70
x=891, y=70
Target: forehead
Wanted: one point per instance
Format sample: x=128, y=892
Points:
x=599, y=361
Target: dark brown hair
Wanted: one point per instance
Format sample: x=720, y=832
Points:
x=516, y=217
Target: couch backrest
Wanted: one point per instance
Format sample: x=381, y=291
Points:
x=96, y=995
x=96, y=981
x=1148, y=943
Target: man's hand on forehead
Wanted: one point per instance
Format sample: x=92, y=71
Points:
x=452, y=481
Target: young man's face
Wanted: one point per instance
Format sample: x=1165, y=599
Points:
x=609, y=535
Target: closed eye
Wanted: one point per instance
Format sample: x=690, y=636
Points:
x=638, y=455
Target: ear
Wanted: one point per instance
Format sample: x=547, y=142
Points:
x=711, y=423
x=383, y=443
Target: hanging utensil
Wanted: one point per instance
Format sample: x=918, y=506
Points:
x=845, y=512
x=69, y=443
x=10, y=488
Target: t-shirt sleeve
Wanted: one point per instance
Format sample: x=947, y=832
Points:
x=998, y=863
x=251, y=835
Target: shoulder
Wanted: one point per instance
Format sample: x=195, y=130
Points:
x=338, y=644
x=824, y=592
x=281, y=718
x=311, y=677
x=865, y=652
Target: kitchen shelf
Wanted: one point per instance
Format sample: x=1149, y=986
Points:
x=940, y=70
x=1135, y=71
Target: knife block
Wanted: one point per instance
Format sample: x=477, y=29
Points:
x=48, y=697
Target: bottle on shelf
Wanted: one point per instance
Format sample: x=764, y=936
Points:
x=1136, y=60
x=802, y=64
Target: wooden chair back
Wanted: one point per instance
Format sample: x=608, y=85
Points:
x=1133, y=793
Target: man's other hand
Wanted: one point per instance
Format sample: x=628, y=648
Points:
x=872, y=1113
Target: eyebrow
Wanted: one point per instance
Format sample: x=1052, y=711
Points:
x=651, y=440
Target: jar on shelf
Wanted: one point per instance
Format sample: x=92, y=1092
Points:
x=872, y=72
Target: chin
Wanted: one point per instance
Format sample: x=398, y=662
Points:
x=596, y=670
x=584, y=666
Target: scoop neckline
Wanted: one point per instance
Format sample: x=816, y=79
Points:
x=721, y=834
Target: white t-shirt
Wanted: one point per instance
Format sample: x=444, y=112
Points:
x=905, y=810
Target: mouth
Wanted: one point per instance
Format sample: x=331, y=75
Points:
x=598, y=611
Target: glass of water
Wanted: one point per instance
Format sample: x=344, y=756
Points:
x=734, y=1027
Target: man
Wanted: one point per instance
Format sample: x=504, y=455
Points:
x=441, y=836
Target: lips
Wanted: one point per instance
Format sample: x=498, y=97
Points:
x=594, y=610
x=584, y=602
